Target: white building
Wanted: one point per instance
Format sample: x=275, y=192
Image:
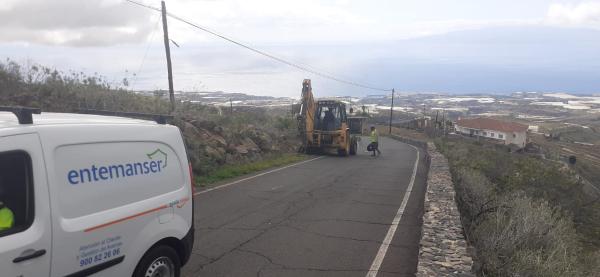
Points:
x=502, y=131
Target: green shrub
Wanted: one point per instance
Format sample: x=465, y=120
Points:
x=525, y=237
x=284, y=123
x=231, y=171
x=524, y=216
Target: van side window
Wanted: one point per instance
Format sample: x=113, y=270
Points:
x=16, y=192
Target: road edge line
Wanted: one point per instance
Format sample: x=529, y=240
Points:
x=255, y=176
x=374, y=270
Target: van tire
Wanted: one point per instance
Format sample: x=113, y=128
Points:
x=161, y=256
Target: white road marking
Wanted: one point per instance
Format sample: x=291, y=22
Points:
x=594, y=187
x=257, y=175
x=276, y=187
x=390, y=234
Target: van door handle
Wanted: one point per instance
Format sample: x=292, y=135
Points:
x=29, y=254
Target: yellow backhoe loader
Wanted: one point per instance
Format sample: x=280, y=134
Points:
x=323, y=125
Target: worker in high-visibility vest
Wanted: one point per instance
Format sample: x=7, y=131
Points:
x=374, y=146
x=7, y=218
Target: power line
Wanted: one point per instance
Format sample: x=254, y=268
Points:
x=149, y=44
x=263, y=53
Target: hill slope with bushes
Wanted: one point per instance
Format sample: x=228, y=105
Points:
x=524, y=216
x=213, y=139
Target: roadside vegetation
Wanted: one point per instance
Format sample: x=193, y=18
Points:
x=232, y=171
x=562, y=142
x=220, y=142
x=403, y=132
x=524, y=216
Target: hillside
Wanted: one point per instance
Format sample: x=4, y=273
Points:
x=524, y=216
x=214, y=138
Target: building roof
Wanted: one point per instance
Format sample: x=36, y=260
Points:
x=492, y=124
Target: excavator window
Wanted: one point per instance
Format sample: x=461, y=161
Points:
x=330, y=117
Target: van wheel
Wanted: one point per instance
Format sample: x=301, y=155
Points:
x=160, y=261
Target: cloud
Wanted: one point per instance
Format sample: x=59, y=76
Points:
x=586, y=14
x=74, y=22
x=112, y=22
x=270, y=21
x=257, y=22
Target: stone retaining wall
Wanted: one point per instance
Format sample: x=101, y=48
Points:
x=421, y=144
x=443, y=248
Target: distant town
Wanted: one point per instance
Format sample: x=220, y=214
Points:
x=557, y=125
x=537, y=109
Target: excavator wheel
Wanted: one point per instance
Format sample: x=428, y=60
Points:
x=353, y=146
x=345, y=151
x=312, y=150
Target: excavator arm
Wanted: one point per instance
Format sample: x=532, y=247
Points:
x=316, y=138
x=306, y=119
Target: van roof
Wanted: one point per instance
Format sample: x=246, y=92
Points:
x=7, y=119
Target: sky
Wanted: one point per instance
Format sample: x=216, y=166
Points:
x=416, y=46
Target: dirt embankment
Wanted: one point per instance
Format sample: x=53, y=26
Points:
x=211, y=145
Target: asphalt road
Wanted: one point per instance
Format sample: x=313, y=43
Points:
x=329, y=216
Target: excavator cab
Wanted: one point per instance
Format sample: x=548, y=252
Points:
x=330, y=115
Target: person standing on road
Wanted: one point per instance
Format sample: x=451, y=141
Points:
x=374, y=142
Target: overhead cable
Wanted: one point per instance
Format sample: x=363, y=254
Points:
x=149, y=44
x=263, y=53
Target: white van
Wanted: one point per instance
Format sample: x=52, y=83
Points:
x=93, y=195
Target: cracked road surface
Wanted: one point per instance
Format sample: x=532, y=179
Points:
x=325, y=217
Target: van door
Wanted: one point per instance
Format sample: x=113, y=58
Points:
x=25, y=231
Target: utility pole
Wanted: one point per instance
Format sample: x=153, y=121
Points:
x=392, y=111
x=435, y=127
x=168, y=52
x=444, y=122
